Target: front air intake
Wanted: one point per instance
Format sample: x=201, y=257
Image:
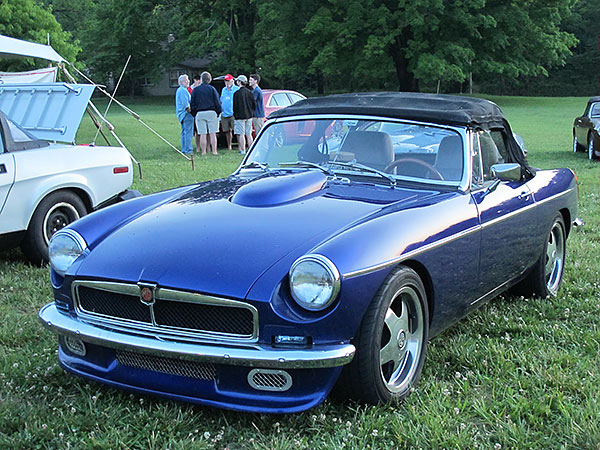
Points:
x=270, y=380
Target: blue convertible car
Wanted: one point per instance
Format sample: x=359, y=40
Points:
x=358, y=227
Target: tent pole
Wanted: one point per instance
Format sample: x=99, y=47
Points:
x=135, y=115
x=110, y=127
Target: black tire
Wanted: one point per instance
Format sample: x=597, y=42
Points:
x=545, y=276
x=590, y=147
x=395, y=328
x=54, y=212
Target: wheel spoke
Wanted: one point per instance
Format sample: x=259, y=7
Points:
x=396, y=348
x=390, y=352
x=551, y=254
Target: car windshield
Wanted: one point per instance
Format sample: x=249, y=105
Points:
x=388, y=150
x=595, y=110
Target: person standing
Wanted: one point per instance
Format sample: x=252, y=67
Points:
x=258, y=118
x=227, y=120
x=206, y=107
x=196, y=82
x=194, y=85
x=243, y=108
x=185, y=118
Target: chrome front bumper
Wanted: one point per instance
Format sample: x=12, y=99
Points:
x=319, y=356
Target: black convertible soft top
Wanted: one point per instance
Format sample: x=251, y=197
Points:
x=442, y=109
x=446, y=109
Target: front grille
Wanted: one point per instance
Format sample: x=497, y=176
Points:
x=204, y=317
x=113, y=304
x=177, y=314
x=171, y=366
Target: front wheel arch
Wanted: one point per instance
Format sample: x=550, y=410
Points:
x=427, y=284
x=391, y=342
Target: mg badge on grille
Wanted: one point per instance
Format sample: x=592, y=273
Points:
x=147, y=293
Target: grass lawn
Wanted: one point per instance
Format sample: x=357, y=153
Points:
x=518, y=373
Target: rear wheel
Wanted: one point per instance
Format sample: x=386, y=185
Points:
x=546, y=275
x=576, y=146
x=591, y=148
x=54, y=212
x=391, y=342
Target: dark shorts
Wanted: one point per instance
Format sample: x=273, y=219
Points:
x=227, y=123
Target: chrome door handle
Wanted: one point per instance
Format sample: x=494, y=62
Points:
x=2, y=168
x=523, y=195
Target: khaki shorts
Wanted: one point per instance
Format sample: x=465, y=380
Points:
x=258, y=123
x=227, y=123
x=207, y=122
x=243, y=126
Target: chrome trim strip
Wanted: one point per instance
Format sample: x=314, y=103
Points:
x=412, y=253
x=76, y=237
x=525, y=208
x=445, y=240
x=493, y=293
x=320, y=356
x=155, y=329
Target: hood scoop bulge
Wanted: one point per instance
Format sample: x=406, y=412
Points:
x=281, y=189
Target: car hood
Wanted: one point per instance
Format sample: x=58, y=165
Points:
x=221, y=236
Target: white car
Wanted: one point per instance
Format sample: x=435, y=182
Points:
x=45, y=185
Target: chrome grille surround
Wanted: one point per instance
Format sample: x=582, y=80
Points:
x=171, y=366
x=270, y=380
x=149, y=325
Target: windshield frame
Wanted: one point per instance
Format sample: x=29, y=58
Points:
x=462, y=185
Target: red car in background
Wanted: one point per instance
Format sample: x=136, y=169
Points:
x=275, y=99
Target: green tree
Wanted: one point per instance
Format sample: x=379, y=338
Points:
x=581, y=73
x=30, y=21
x=118, y=29
x=369, y=42
x=221, y=30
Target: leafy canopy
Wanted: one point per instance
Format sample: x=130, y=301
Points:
x=31, y=21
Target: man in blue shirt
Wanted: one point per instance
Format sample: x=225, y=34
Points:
x=182, y=109
x=258, y=118
x=227, y=120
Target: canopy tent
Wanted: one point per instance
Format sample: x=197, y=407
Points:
x=16, y=47
x=47, y=75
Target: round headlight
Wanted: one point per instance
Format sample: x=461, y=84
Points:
x=64, y=248
x=314, y=282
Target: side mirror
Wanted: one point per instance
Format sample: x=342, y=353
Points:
x=506, y=172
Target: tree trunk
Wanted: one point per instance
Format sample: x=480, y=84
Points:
x=406, y=79
x=320, y=88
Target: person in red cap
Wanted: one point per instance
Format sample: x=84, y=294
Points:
x=227, y=120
